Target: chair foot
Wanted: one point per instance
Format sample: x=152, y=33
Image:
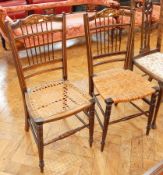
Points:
x=27, y=128
x=102, y=146
x=26, y=125
x=147, y=131
x=153, y=126
x=90, y=143
x=41, y=165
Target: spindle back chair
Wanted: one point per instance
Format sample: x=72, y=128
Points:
x=110, y=45
x=114, y=42
x=37, y=40
x=53, y=100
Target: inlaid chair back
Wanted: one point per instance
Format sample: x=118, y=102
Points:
x=109, y=36
x=107, y=31
x=37, y=45
x=146, y=29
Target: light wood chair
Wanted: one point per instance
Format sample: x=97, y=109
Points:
x=113, y=39
x=53, y=100
x=150, y=59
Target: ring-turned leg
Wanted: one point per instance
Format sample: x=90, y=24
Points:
x=40, y=146
x=157, y=107
x=91, y=123
x=151, y=112
x=26, y=118
x=109, y=103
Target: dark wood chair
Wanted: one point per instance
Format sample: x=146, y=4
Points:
x=150, y=59
x=113, y=43
x=53, y=100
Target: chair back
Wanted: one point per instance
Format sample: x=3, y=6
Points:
x=36, y=43
x=146, y=29
x=109, y=37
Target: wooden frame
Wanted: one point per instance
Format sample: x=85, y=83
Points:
x=103, y=29
x=38, y=57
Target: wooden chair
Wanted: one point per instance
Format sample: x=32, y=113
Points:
x=53, y=100
x=114, y=38
x=149, y=59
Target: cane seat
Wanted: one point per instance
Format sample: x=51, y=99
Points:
x=122, y=85
x=55, y=100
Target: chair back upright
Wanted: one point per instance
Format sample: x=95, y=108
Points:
x=34, y=51
x=109, y=38
x=146, y=29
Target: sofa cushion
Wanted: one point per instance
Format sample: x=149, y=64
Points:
x=15, y=15
x=12, y=3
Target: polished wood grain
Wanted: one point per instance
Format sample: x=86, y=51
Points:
x=127, y=151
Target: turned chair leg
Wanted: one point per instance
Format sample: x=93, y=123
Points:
x=151, y=112
x=91, y=123
x=157, y=107
x=26, y=118
x=26, y=121
x=40, y=147
x=106, y=122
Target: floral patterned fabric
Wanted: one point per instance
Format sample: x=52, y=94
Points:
x=152, y=63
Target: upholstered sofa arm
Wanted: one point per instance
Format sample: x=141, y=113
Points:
x=3, y=18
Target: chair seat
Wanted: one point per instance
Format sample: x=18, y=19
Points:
x=55, y=100
x=152, y=64
x=122, y=85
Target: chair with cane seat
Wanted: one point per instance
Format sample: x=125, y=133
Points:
x=107, y=42
x=53, y=100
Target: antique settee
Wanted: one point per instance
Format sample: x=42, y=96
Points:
x=75, y=25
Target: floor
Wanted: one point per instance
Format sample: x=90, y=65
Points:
x=128, y=150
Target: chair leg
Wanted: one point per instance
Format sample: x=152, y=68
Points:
x=150, y=79
x=157, y=107
x=91, y=124
x=26, y=118
x=40, y=147
x=151, y=112
x=106, y=122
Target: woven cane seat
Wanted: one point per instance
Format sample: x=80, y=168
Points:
x=122, y=85
x=152, y=64
x=55, y=100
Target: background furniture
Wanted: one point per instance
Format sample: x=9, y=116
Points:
x=74, y=26
x=115, y=85
x=15, y=15
x=57, y=10
x=50, y=101
x=150, y=59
